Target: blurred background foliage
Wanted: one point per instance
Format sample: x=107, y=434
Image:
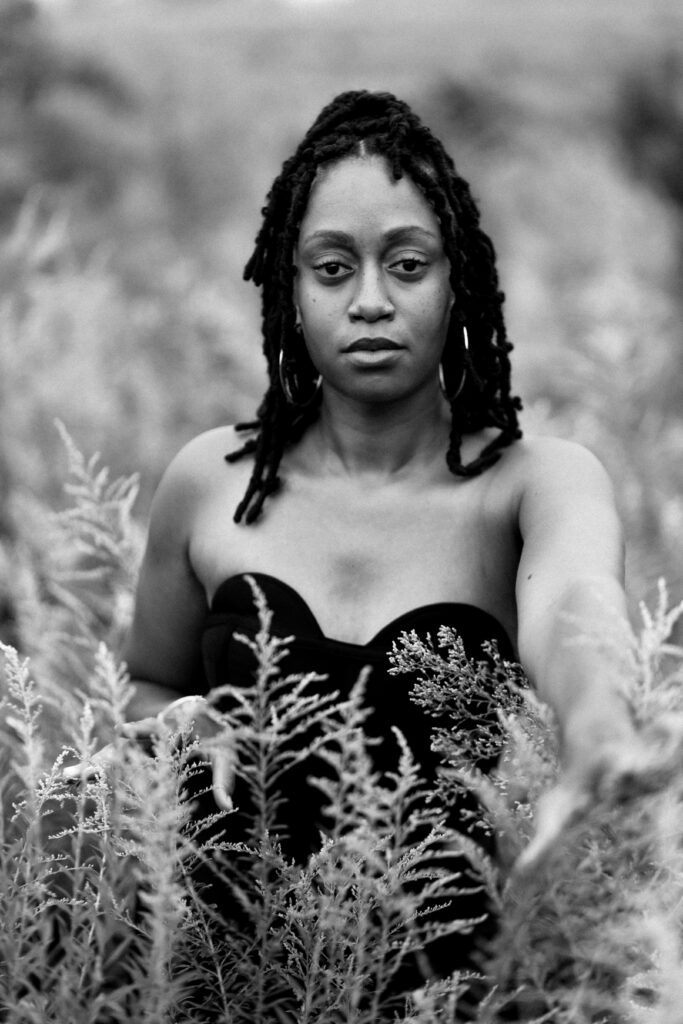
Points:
x=138, y=139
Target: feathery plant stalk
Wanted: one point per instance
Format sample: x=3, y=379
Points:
x=74, y=575
x=23, y=707
x=266, y=718
x=25, y=867
x=157, y=850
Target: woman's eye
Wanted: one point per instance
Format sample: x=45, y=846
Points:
x=332, y=268
x=409, y=265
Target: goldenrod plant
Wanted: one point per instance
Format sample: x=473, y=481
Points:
x=105, y=911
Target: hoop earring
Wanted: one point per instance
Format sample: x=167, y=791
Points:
x=289, y=383
x=442, y=378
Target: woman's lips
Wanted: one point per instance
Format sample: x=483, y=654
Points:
x=373, y=345
x=373, y=353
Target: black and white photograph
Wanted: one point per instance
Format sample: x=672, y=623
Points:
x=341, y=512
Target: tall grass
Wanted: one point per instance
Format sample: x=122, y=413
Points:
x=104, y=912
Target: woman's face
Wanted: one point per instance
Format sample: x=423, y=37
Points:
x=372, y=287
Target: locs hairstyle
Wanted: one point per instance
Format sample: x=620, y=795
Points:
x=358, y=123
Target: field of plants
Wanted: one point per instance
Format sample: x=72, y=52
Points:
x=137, y=142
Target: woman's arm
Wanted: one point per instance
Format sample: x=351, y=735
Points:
x=571, y=605
x=573, y=624
x=162, y=650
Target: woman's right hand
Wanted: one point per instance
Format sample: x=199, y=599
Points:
x=193, y=715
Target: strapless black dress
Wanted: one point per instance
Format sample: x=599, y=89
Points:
x=226, y=659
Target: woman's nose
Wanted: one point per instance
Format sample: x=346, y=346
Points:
x=371, y=300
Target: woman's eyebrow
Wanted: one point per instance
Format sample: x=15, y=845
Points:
x=409, y=231
x=329, y=236
x=333, y=237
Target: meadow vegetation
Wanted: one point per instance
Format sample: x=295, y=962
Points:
x=136, y=152
x=105, y=911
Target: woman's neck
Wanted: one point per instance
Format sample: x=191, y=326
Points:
x=382, y=439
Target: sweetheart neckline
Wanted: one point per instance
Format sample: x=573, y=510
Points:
x=373, y=641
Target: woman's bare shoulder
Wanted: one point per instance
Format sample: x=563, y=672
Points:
x=202, y=450
x=540, y=470
x=199, y=458
x=195, y=471
x=541, y=455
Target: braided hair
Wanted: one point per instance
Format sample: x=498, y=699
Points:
x=365, y=123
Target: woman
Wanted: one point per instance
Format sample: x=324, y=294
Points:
x=385, y=484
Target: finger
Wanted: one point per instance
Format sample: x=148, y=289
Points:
x=141, y=727
x=222, y=764
x=557, y=810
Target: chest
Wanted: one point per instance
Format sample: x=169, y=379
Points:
x=361, y=557
x=366, y=543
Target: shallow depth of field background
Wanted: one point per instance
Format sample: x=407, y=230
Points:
x=138, y=139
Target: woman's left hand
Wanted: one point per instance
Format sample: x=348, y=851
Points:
x=612, y=772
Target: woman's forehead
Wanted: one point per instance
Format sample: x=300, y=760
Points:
x=359, y=191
